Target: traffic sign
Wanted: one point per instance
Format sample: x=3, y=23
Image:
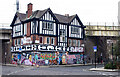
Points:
x=95, y=48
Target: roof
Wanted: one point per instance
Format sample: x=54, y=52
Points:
x=22, y=16
x=40, y=13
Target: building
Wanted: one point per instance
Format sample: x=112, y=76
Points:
x=5, y=43
x=43, y=37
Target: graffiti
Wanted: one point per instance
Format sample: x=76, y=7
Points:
x=34, y=58
x=28, y=62
x=74, y=59
x=48, y=56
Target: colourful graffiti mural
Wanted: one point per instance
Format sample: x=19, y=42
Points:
x=34, y=58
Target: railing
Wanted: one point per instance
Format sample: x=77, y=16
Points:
x=102, y=30
x=5, y=26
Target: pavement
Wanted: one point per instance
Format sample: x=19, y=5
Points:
x=105, y=70
x=72, y=65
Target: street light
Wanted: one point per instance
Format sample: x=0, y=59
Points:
x=95, y=50
x=5, y=56
x=112, y=55
x=83, y=53
x=101, y=58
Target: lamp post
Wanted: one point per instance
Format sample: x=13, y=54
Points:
x=112, y=55
x=5, y=56
x=101, y=58
x=83, y=53
x=95, y=50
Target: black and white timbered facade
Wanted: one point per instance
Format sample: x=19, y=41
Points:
x=43, y=30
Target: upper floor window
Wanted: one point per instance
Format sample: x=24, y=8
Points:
x=75, y=30
x=21, y=41
x=74, y=42
x=34, y=26
x=62, y=32
x=48, y=40
x=70, y=42
x=18, y=41
x=41, y=39
x=78, y=42
x=15, y=42
x=47, y=25
x=52, y=40
x=18, y=28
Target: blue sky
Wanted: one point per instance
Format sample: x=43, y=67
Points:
x=88, y=10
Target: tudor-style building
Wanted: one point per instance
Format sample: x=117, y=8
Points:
x=48, y=35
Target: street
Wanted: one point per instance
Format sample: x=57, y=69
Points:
x=79, y=70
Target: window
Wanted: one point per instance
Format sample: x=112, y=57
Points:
x=78, y=42
x=18, y=41
x=52, y=41
x=62, y=32
x=21, y=41
x=15, y=42
x=70, y=42
x=48, y=40
x=41, y=39
x=74, y=42
x=47, y=25
x=75, y=30
x=25, y=29
x=34, y=26
x=17, y=28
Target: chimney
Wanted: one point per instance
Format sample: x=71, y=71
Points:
x=67, y=15
x=29, y=11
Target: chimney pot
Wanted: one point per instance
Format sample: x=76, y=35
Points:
x=67, y=15
x=29, y=11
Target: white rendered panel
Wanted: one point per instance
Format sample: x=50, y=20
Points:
x=69, y=30
x=80, y=32
x=40, y=27
x=54, y=29
x=21, y=30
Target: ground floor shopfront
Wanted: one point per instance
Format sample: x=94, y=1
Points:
x=46, y=55
x=46, y=58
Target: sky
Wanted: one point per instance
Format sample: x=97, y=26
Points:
x=88, y=10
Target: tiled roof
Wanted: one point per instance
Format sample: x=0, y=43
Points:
x=22, y=16
x=39, y=13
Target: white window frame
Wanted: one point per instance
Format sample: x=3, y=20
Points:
x=74, y=30
x=46, y=26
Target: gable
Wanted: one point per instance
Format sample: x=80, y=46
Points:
x=48, y=16
x=17, y=20
x=75, y=22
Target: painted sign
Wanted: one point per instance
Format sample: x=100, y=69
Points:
x=46, y=48
x=27, y=40
x=76, y=49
